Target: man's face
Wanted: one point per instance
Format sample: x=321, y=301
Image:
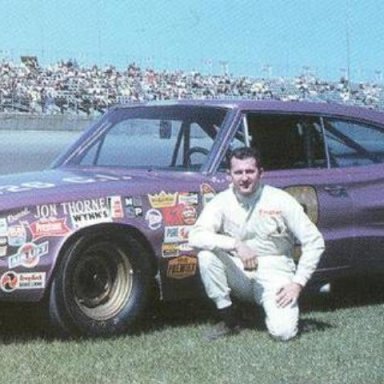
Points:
x=245, y=175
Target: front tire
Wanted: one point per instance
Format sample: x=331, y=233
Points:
x=101, y=286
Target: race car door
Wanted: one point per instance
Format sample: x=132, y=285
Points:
x=358, y=149
x=295, y=158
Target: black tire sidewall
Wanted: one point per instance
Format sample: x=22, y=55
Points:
x=66, y=313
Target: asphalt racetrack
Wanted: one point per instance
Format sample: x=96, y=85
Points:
x=23, y=151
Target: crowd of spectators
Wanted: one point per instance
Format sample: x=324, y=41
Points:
x=67, y=87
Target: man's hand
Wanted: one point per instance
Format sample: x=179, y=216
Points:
x=288, y=294
x=247, y=255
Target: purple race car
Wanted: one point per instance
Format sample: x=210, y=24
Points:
x=93, y=234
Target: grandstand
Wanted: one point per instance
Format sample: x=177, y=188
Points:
x=68, y=88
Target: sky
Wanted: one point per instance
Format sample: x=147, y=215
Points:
x=254, y=38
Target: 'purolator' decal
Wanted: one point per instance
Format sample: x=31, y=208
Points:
x=49, y=227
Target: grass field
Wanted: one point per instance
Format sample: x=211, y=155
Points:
x=342, y=341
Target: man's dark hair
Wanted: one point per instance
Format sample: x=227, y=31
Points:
x=242, y=153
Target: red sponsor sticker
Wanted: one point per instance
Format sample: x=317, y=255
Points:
x=173, y=215
x=180, y=214
x=49, y=227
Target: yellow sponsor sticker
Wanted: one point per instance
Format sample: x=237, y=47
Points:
x=182, y=267
x=306, y=195
x=170, y=250
x=162, y=199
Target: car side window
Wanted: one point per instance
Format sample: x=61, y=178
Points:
x=353, y=144
x=119, y=146
x=287, y=141
x=152, y=143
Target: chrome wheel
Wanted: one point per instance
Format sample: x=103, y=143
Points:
x=101, y=286
x=102, y=281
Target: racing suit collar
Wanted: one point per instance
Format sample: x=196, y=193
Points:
x=249, y=201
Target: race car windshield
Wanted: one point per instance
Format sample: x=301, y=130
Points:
x=166, y=137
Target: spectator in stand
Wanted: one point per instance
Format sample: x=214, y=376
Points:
x=67, y=87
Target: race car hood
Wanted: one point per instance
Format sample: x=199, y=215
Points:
x=64, y=184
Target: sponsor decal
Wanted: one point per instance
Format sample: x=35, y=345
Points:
x=174, y=249
x=87, y=212
x=85, y=206
x=189, y=198
x=84, y=212
x=133, y=206
x=179, y=215
x=184, y=233
x=205, y=188
x=28, y=255
x=11, y=281
x=17, y=235
x=189, y=215
x=117, y=211
x=207, y=193
x=173, y=215
x=182, y=267
x=162, y=199
x=46, y=211
x=48, y=228
x=154, y=219
x=176, y=234
x=171, y=234
x=170, y=250
x=18, y=216
x=306, y=195
x=134, y=211
x=3, y=246
x=134, y=201
x=31, y=280
x=185, y=247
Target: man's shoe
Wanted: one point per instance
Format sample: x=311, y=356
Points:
x=222, y=330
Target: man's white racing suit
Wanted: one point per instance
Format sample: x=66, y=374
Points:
x=268, y=222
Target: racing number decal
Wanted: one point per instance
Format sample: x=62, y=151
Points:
x=307, y=197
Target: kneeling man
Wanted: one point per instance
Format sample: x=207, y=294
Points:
x=246, y=236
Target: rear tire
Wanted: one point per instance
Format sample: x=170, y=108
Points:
x=101, y=286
